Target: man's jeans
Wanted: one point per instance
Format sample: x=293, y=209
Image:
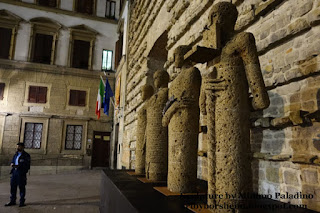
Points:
x=18, y=179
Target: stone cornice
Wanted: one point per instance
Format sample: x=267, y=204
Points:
x=53, y=69
x=72, y=117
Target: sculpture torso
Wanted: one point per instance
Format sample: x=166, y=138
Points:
x=157, y=137
x=186, y=86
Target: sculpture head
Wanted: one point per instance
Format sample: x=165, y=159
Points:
x=160, y=79
x=146, y=92
x=224, y=15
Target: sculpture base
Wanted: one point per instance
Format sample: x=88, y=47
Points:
x=165, y=191
x=133, y=173
x=145, y=180
x=121, y=192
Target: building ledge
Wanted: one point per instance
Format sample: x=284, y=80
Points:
x=54, y=69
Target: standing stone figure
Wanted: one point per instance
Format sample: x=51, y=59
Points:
x=182, y=116
x=157, y=135
x=146, y=93
x=226, y=101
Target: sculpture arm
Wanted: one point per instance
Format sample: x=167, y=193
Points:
x=202, y=101
x=250, y=58
x=144, y=143
x=184, y=103
x=169, y=113
x=179, y=53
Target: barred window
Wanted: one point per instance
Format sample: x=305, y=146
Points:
x=73, y=137
x=33, y=135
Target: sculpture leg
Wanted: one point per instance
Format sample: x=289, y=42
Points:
x=233, y=163
x=183, y=146
x=211, y=147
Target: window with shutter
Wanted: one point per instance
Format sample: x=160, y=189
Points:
x=81, y=51
x=82, y=98
x=5, y=40
x=2, y=85
x=73, y=98
x=117, y=58
x=42, y=48
x=33, y=94
x=42, y=95
x=37, y=94
x=77, y=98
x=48, y=3
x=9, y=25
x=85, y=6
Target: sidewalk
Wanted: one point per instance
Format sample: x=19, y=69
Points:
x=78, y=192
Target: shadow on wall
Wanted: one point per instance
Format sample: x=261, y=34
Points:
x=157, y=56
x=266, y=143
x=156, y=60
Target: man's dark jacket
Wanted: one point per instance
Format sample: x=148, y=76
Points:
x=24, y=163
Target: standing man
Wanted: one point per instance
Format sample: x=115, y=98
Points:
x=20, y=166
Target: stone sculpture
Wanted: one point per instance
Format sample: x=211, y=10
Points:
x=157, y=135
x=146, y=93
x=225, y=100
x=182, y=116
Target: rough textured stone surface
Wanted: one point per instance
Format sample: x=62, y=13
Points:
x=157, y=136
x=183, y=120
x=286, y=34
x=228, y=122
x=147, y=92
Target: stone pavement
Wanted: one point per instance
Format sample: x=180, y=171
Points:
x=77, y=192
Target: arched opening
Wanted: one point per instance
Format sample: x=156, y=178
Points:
x=157, y=56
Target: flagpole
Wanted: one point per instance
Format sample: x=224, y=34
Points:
x=102, y=80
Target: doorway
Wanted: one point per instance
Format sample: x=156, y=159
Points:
x=101, y=149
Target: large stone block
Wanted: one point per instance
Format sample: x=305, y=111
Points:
x=310, y=176
x=291, y=177
x=272, y=174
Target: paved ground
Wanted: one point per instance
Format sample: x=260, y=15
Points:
x=61, y=193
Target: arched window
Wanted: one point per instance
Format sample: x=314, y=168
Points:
x=82, y=40
x=44, y=35
x=9, y=24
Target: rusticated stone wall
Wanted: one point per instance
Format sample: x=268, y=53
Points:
x=284, y=137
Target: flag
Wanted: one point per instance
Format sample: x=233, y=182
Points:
x=99, y=103
x=117, y=95
x=107, y=95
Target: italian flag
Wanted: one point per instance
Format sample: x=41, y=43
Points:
x=99, y=98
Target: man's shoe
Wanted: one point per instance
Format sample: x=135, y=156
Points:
x=22, y=205
x=10, y=204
